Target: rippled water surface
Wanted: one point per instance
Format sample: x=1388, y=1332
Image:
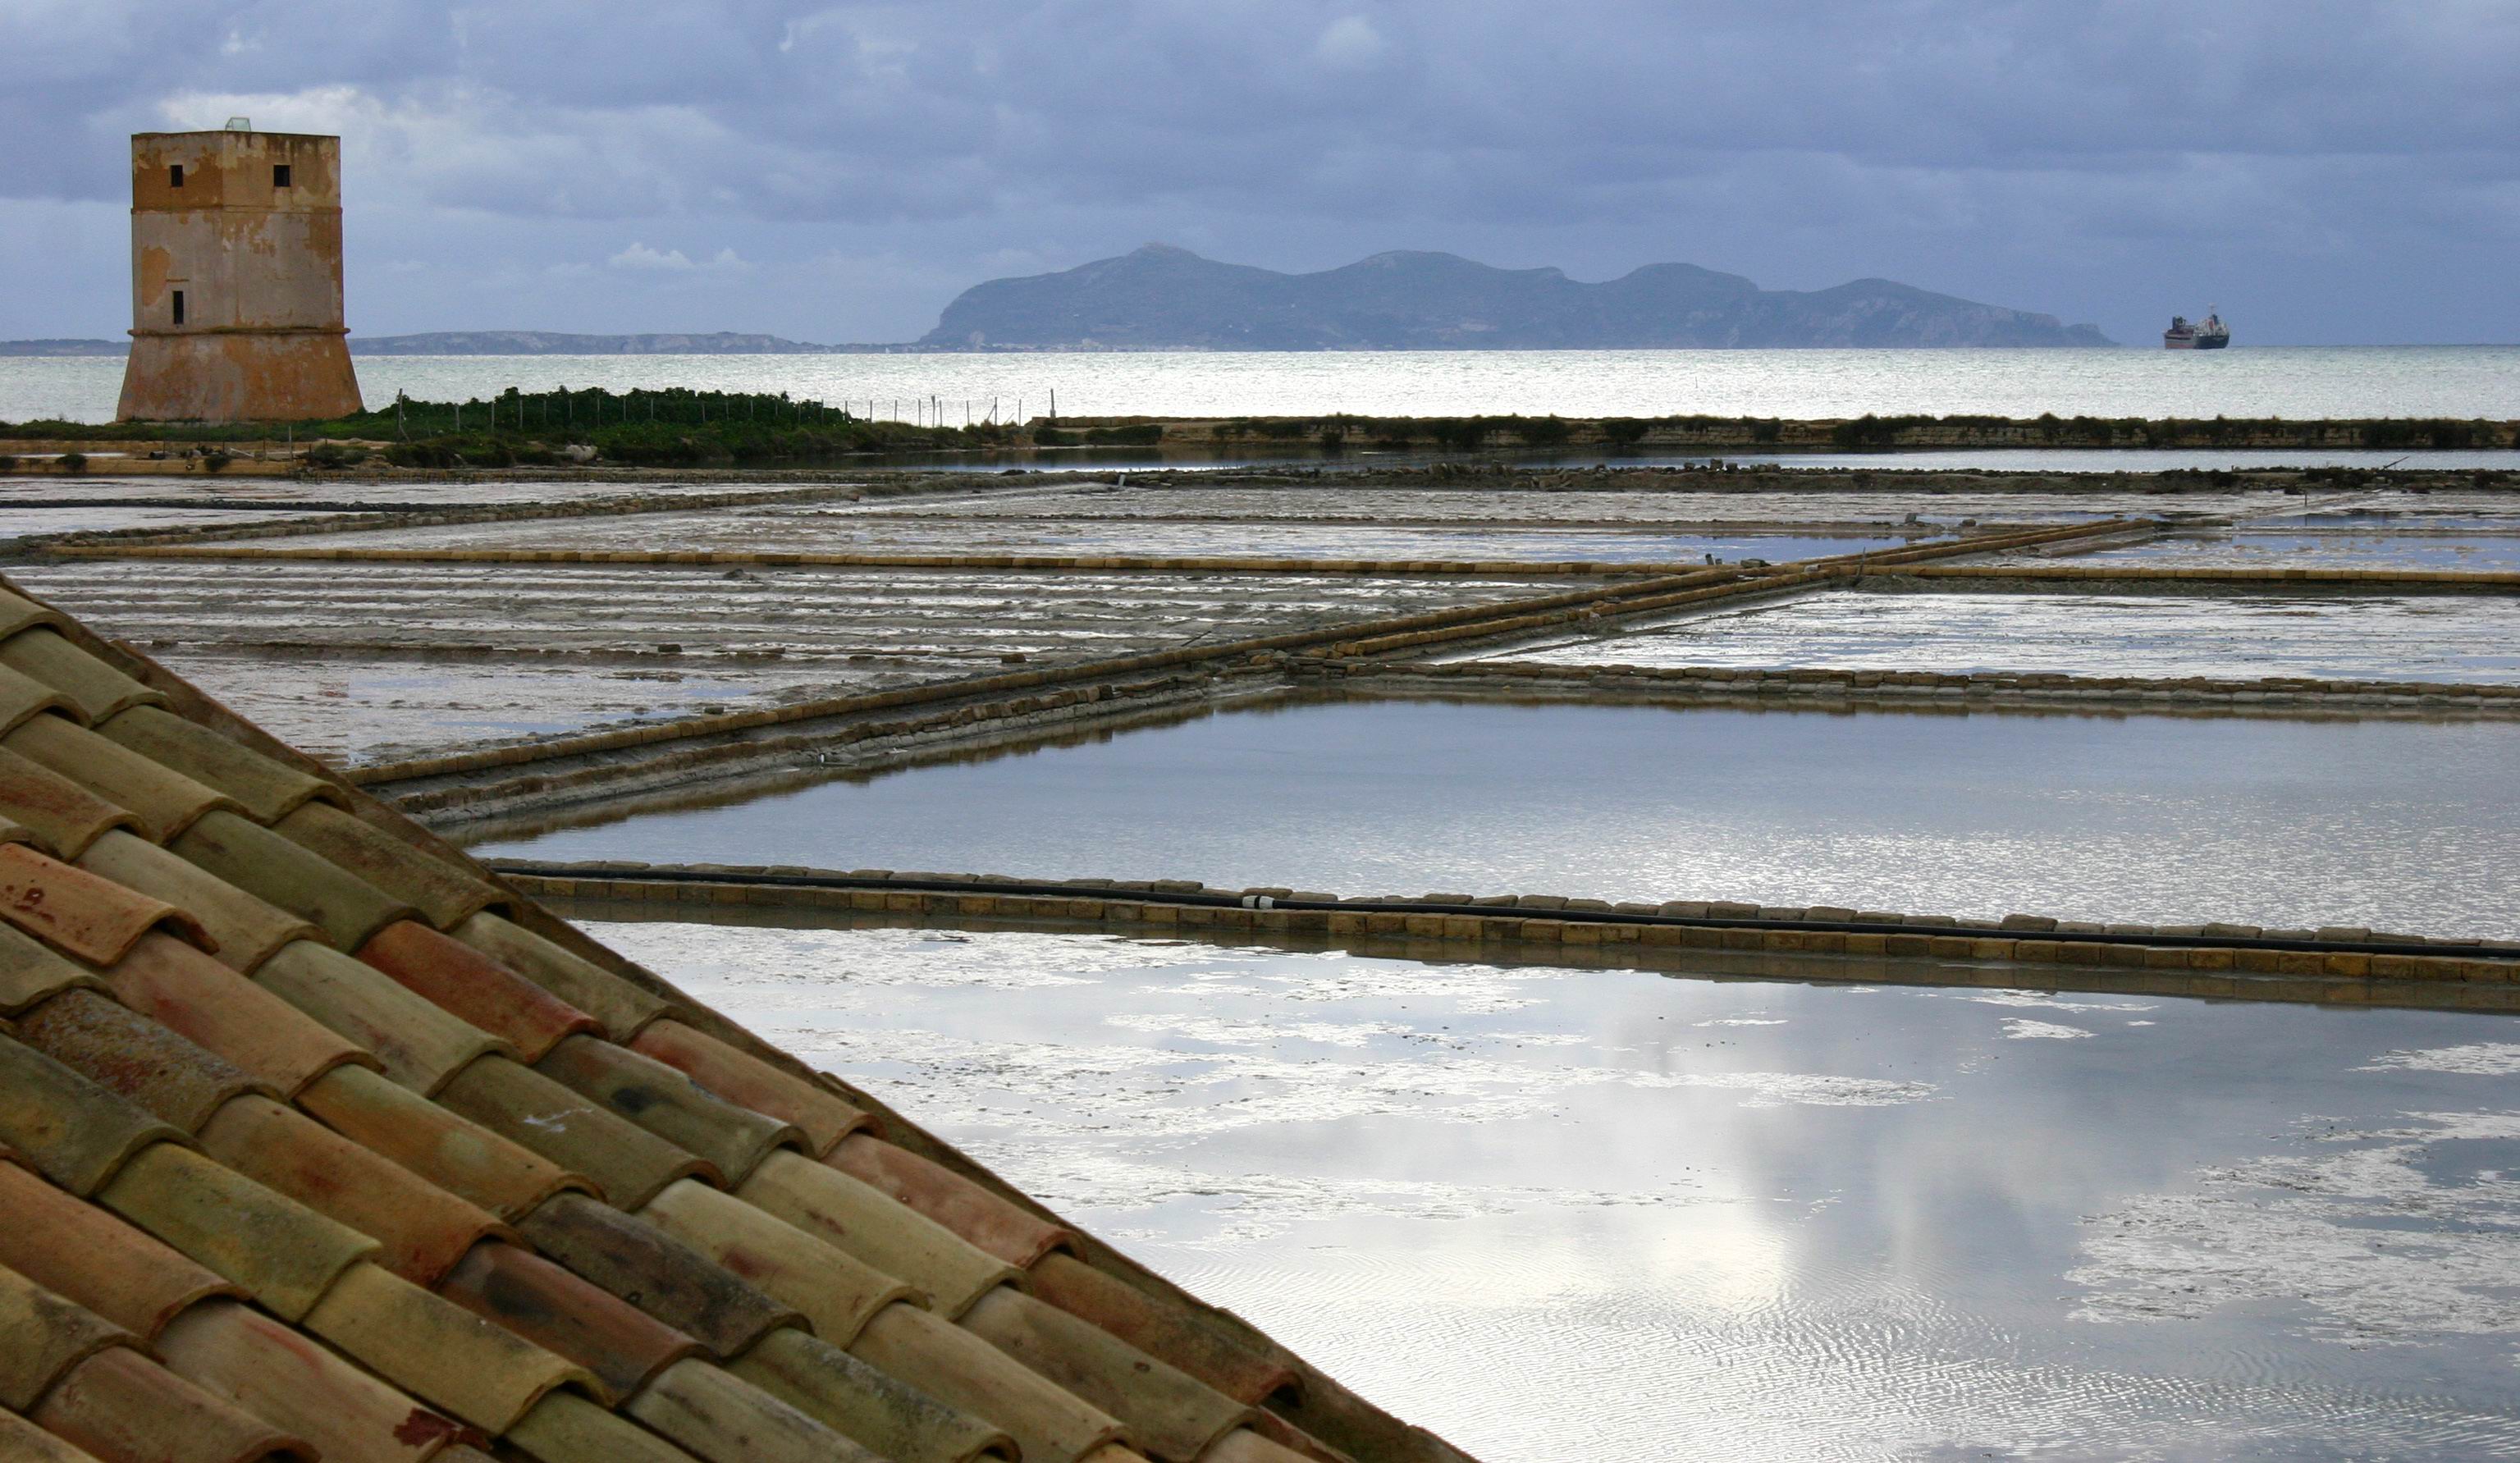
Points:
x=1557, y=1214
x=2236, y=634
x=2302, y=382
x=849, y=530
x=2478, y=552
x=2394, y=825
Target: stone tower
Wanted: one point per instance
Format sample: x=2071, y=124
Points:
x=236, y=279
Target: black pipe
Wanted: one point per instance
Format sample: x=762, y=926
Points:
x=1209, y=899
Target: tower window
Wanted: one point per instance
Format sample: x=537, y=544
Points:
x=174, y=175
x=179, y=307
x=280, y=175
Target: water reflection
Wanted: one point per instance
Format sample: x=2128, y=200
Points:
x=2236, y=634
x=2405, y=825
x=1681, y=1218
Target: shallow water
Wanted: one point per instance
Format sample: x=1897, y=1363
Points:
x=2478, y=552
x=372, y=660
x=2302, y=381
x=821, y=530
x=1680, y=1218
x=2394, y=825
x=2235, y=634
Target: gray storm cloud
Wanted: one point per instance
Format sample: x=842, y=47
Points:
x=2326, y=173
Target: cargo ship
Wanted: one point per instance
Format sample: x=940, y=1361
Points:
x=2209, y=334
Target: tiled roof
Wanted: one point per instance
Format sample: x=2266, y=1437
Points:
x=317, y=1141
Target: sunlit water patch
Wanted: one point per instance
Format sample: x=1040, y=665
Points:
x=1602, y=1213
x=2300, y=381
x=2392, y=824
x=2483, y=551
x=2237, y=634
x=852, y=531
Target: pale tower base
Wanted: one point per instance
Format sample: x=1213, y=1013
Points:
x=236, y=279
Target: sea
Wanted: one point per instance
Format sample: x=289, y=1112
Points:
x=2291, y=381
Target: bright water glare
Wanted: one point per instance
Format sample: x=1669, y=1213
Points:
x=2399, y=825
x=2300, y=381
x=1564, y=1213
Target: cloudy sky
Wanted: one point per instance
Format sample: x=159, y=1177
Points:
x=2325, y=172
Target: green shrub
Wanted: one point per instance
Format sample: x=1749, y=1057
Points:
x=216, y=462
x=1624, y=431
x=1541, y=431
x=73, y=461
x=335, y=455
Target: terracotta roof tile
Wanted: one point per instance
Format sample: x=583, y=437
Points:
x=419, y=1044
x=86, y=1255
x=440, y=1353
x=566, y=1428
x=245, y=929
x=619, y=1006
x=440, y=1145
x=23, y=696
x=341, y=1211
x=17, y=612
x=667, y=1103
x=74, y=1133
x=183, y=988
x=96, y=689
x=625, y=1161
x=460, y=979
x=1243, y=1445
x=422, y=1228
x=1171, y=1331
x=722, y=1418
x=1050, y=1424
x=268, y=790
x=61, y=814
x=836, y=1292
x=284, y=1253
x=258, y=861
x=123, y=1052
x=29, y=973
x=297, y=1383
x=42, y=1337
x=991, y=1222
x=72, y=909
x=861, y=1220
x=444, y=895
x=622, y=1345
x=164, y=800
x=823, y=1118
x=21, y=1441
x=120, y=1404
x=1170, y=1414
x=862, y=1402
x=659, y=1274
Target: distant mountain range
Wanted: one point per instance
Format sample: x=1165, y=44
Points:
x=1165, y=298
x=1161, y=298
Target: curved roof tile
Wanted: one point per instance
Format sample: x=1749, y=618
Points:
x=120, y=1404
x=462, y=980
x=89, y=1255
x=79, y=913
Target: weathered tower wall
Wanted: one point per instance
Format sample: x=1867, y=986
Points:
x=235, y=279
